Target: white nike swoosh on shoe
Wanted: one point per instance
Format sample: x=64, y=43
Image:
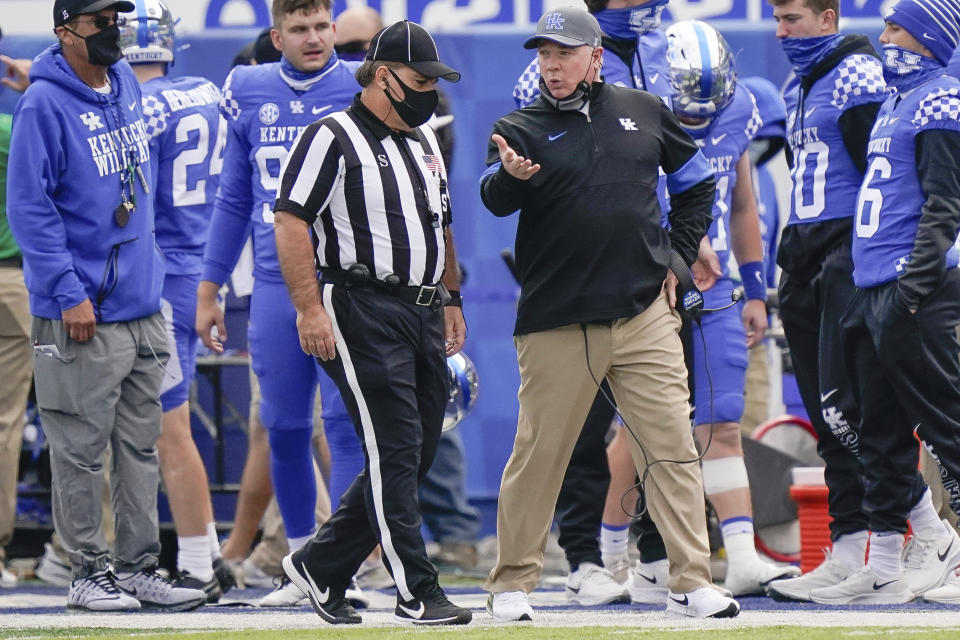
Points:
x=321, y=596
x=417, y=614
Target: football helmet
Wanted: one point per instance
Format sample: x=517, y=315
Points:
x=464, y=385
x=148, y=34
x=701, y=70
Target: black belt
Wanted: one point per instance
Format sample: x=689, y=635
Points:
x=424, y=296
x=13, y=263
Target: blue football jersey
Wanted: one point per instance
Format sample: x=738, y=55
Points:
x=722, y=143
x=265, y=114
x=648, y=71
x=825, y=180
x=890, y=199
x=187, y=137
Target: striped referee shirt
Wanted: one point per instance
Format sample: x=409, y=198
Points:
x=374, y=196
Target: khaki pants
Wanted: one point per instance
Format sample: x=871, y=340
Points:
x=756, y=406
x=16, y=371
x=642, y=359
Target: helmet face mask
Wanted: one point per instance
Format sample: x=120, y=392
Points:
x=148, y=35
x=702, y=71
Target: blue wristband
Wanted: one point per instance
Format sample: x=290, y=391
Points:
x=754, y=280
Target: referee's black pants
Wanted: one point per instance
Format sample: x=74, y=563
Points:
x=906, y=371
x=392, y=373
x=810, y=311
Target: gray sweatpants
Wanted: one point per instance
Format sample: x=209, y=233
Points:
x=90, y=394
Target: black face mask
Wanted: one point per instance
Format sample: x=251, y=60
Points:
x=103, y=47
x=416, y=106
x=353, y=50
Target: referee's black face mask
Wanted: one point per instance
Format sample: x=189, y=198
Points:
x=416, y=106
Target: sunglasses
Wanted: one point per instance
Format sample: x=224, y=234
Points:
x=102, y=22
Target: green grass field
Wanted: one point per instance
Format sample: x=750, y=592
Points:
x=496, y=633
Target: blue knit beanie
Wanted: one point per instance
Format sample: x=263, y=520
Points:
x=934, y=23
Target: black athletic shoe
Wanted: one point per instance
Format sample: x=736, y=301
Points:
x=224, y=575
x=330, y=604
x=211, y=588
x=432, y=608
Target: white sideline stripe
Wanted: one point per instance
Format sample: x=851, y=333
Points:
x=370, y=439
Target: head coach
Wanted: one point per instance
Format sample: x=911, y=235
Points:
x=372, y=183
x=596, y=301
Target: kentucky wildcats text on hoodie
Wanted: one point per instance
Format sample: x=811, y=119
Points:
x=69, y=151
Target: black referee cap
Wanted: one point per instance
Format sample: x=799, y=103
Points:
x=409, y=43
x=66, y=10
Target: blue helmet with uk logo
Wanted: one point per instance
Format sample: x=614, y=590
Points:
x=702, y=70
x=148, y=34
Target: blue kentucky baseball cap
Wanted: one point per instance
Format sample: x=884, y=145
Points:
x=567, y=26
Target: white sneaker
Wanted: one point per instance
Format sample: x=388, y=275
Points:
x=617, y=564
x=928, y=557
x=752, y=578
x=949, y=592
x=355, y=596
x=99, y=592
x=864, y=587
x=286, y=594
x=254, y=576
x=155, y=592
x=8, y=579
x=51, y=569
x=648, y=582
x=591, y=585
x=831, y=572
x=510, y=606
x=705, y=602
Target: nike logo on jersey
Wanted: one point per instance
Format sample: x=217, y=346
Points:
x=416, y=614
x=321, y=596
x=132, y=106
x=825, y=396
x=684, y=601
x=316, y=110
x=555, y=136
x=943, y=555
x=877, y=587
x=717, y=139
x=654, y=78
x=807, y=113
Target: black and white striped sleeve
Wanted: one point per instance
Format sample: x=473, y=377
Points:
x=310, y=173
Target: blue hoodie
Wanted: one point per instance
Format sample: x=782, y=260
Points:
x=64, y=185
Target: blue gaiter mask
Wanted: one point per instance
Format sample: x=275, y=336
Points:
x=804, y=53
x=905, y=69
x=630, y=22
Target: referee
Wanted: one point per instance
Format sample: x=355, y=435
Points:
x=372, y=183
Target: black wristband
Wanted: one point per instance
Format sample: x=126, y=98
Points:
x=455, y=300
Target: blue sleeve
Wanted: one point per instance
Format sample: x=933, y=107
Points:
x=34, y=220
x=232, y=210
x=695, y=171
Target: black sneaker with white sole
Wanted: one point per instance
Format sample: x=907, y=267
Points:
x=330, y=604
x=432, y=608
x=224, y=574
x=211, y=588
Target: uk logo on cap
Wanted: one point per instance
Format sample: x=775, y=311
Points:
x=554, y=21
